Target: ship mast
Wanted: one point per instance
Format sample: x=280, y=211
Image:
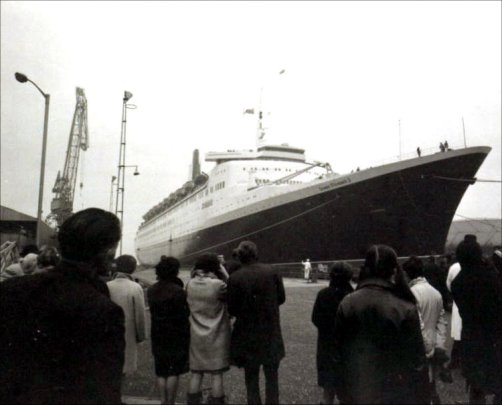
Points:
x=260, y=131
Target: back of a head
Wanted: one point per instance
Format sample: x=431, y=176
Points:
x=167, y=268
x=207, y=262
x=235, y=254
x=469, y=251
x=470, y=238
x=88, y=234
x=247, y=252
x=125, y=264
x=48, y=257
x=413, y=267
x=340, y=272
x=380, y=261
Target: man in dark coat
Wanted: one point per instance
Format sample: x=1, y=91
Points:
x=478, y=294
x=254, y=295
x=379, y=348
x=61, y=337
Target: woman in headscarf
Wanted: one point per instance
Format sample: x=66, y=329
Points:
x=210, y=328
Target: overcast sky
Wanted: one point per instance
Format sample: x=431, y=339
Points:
x=353, y=71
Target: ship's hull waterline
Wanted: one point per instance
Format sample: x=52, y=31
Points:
x=410, y=209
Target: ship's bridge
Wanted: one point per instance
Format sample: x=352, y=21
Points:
x=271, y=152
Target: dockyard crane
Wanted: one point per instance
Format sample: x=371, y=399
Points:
x=64, y=188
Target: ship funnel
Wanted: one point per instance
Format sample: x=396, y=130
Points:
x=195, y=164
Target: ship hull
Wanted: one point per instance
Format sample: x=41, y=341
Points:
x=409, y=209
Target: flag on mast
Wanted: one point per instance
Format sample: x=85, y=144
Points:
x=127, y=95
x=249, y=111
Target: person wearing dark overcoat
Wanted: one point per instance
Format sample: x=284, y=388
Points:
x=477, y=292
x=379, y=347
x=170, y=330
x=255, y=293
x=323, y=317
x=61, y=337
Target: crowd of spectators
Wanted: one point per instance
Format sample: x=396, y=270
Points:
x=69, y=329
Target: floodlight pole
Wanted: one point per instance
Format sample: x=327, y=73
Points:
x=119, y=202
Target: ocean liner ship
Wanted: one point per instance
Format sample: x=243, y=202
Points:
x=293, y=209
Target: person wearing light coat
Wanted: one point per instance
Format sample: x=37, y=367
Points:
x=456, y=320
x=130, y=296
x=209, y=328
x=434, y=324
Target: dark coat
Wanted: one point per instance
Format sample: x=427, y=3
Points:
x=255, y=292
x=170, y=331
x=61, y=339
x=478, y=295
x=379, y=347
x=323, y=317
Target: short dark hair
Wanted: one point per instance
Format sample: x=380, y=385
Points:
x=48, y=256
x=125, y=264
x=380, y=261
x=413, y=267
x=207, y=262
x=469, y=251
x=167, y=268
x=247, y=252
x=88, y=234
x=340, y=272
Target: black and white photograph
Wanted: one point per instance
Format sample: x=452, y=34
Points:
x=231, y=202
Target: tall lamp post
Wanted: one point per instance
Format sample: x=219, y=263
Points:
x=21, y=78
x=119, y=202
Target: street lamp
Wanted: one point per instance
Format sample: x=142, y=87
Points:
x=122, y=190
x=21, y=78
x=119, y=202
x=114, y=183
x=136, y=172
